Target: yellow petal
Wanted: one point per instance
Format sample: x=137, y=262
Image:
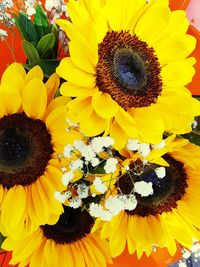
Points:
x=55, y=103
x=10, y=99
x=178, y=73
x=119, y=135
x=175, y=48
x=34, y=98
x=127, y=123
x=93, y=125
x=104, y=105
x=11, y=220
x=79, y=56
x=69, y=89
x=73, y=74
x=14, y=75
x=52, y=86
x=151, y=24
x=150, y=124
x=35, y=72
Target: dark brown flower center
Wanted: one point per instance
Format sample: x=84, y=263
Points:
x=25, y=149
x=128, y=70
x=72, y=226
x=167, y=190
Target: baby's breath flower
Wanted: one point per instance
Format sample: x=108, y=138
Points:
x=160, y=172
x=99, y=185
x=110, y=166
x=144, y=188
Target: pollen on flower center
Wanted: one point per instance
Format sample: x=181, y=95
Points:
x=25, y=149
x=73, y=225
x=166, y=190
x=128, y=70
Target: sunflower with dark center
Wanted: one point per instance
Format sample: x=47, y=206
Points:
x=129, y=63
x=32, y=131
x=68, y=242
x=171, y=214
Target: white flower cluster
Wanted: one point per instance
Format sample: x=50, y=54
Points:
x=89, y=152
x=30, y=7
x=3, y=34
x=5, y=17
x=113, y=205
x=57, y=8
x=143, y=148
x=75, y=202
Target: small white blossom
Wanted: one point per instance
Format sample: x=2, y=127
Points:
x=195, y=248
x=144, y=149
x=76, y=164
x=3, y=34
x=63, y=169
x=79, y=145
x=108, y=141
x=30, y=11
x=99, y=185
x=60, y=197
x=160, y=172
x=82, y=190
x=67, y=194
x=194, y=124
x=160, y=146
x=97, y=144
x=67, y=177
x=133, y=145
x=88, y=153
x=75, y=203
x=97, y=211
x=129, y=201
x=95, y=162
x=186, y=253
x=114, y=204
x=68, y=151
x=143, y=188
x=110, y=166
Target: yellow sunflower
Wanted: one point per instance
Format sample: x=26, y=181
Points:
x=32, y=132
x=128, y=67
x=168, y=215
x=67, y=243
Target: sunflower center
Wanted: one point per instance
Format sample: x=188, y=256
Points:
x=25, y=149
x=128, y=70
x=73, y=225
x=166, y=191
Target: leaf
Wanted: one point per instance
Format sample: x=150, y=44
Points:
x=48, y=66
x=31, y=52
x=193, y=138
x=26, y=28
x=2, y=238
x=46, y=43
x=41, y=23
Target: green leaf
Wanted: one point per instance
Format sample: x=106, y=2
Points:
x=41, y=23
x=46, y=43
x=48, y=66
x=193, y=138
x=31, y=52
x=2, y=238
x=26, y=28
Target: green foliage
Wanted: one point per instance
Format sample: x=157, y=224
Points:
x=46, y=43
x=48, y=66
x=40, y=41
x=2, y=238
x=31, y=52
x=41, y=23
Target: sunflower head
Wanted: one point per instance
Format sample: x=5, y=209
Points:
x=69, y=240
x=32, y=128
x=163, y=189
x=128, y=63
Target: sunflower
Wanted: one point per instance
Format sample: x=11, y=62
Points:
x=128, y=67
x=168, y=216
x=32, y=132
x=67, y=242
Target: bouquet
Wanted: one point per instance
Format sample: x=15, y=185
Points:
x=99, y=133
